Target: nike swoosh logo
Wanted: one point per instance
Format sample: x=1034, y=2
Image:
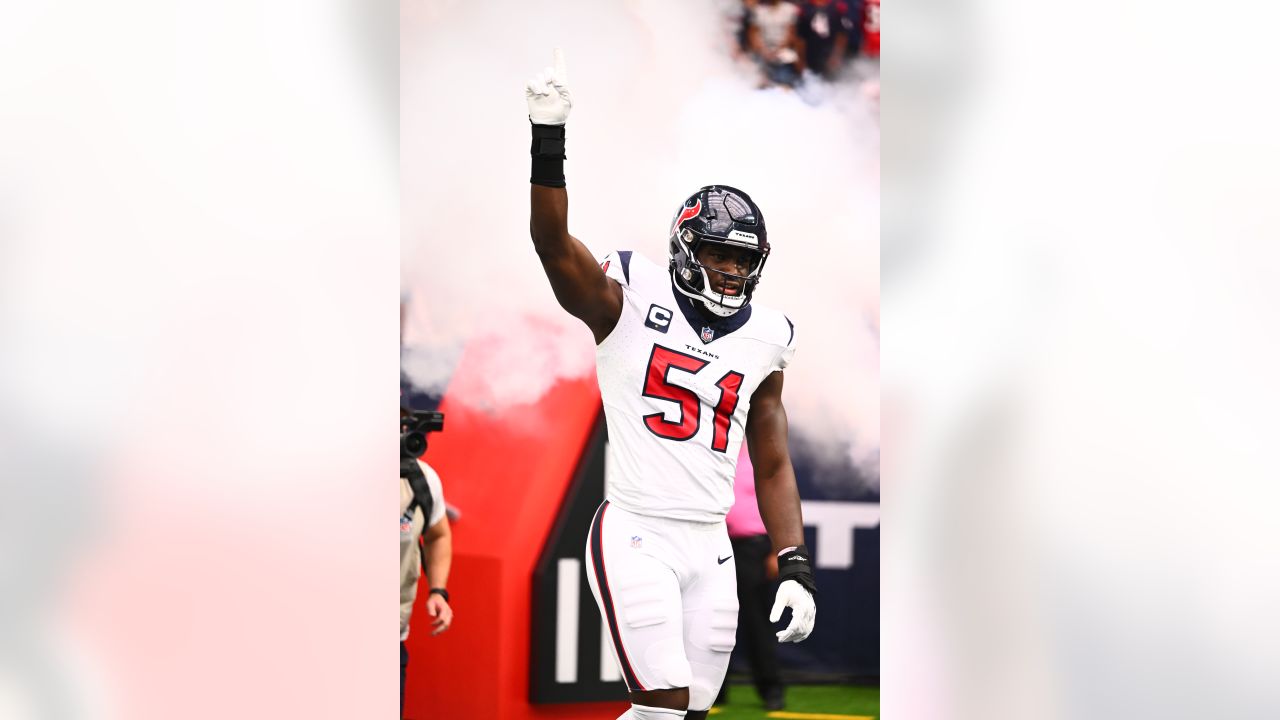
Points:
x=723, y=560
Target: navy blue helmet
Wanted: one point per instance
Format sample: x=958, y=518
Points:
x=727, y=216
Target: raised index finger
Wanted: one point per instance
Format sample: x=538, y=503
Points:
x=559, y=69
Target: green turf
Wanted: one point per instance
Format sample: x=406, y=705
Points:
x=744, y=703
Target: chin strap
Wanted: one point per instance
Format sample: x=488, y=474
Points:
x=717, y=309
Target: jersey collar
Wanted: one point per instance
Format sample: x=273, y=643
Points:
x=709, y=330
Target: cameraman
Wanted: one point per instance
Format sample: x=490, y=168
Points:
x=421, y=506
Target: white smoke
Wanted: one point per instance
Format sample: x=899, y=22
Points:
x=660, y=109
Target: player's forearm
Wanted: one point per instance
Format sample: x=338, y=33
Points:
x=549, y=221
x=555, y=246
x=779, y=503
x=438, y=560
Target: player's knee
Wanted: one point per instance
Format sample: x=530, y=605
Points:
x=702, y=694
x=707, y=679
x=666, y=664
x=716, y=637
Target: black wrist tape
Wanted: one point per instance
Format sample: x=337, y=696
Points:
x=548, y=155
x=795, y=565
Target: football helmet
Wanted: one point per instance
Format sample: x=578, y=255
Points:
x=727, y=216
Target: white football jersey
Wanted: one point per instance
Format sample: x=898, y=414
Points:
x=676, y=389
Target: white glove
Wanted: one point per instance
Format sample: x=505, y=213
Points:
x=793, y=595
x=548, y=93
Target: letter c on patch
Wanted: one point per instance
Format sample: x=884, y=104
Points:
x=659, y=318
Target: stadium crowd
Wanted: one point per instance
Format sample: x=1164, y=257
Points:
x=793, y=41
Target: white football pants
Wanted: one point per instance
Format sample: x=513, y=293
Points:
x=667, y=590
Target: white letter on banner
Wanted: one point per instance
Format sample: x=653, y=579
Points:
x=567, y=596
x=836, y=522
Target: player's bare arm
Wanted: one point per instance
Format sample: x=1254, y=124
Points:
x=580, y=286
x=775, y=478
x=779, y=501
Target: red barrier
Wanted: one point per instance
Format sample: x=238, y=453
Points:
x=507, y=474
x=871, y=28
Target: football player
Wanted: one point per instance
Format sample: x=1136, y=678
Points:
x=688, y=367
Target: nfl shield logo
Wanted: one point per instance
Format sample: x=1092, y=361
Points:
x=636, y=541
x=707, y=334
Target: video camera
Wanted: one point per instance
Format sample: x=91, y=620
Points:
x=414, y=426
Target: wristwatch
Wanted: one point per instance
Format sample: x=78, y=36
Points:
x=441, y=592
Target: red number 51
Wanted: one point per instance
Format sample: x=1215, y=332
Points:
x=661, y=361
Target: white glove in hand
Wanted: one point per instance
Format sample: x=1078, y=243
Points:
x=803, y=611
x=548, y=93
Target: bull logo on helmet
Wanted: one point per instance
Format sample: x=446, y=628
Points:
x=688, y=213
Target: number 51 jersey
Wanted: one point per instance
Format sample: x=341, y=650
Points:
x=677, y=389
